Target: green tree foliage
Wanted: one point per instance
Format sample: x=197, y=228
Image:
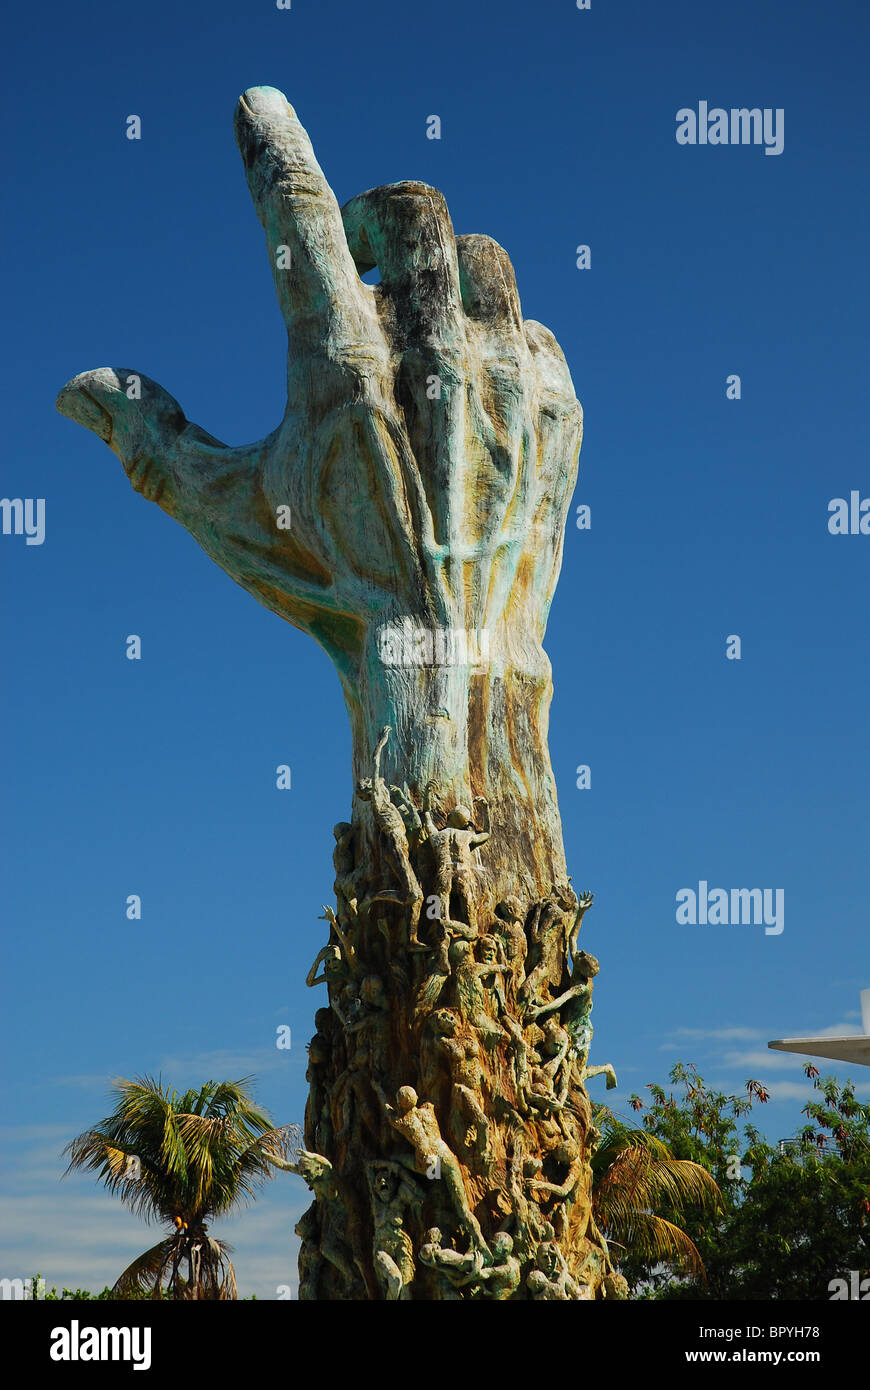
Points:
x=106, y=1295
x=182, y=1160
x=795, y=1217
x=634, y=1177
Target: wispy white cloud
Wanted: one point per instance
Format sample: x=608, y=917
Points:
x=85, y=1081
x=763, y=1059
x=224, y=1063
x=717, y=1033
x=835, y=1030
x=796, y=1090
x=770, y=1059
x=217, y=1064
x=790, y=1090
x=709, y=1035
x=25, y=1134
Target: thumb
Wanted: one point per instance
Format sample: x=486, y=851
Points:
x=140, y=422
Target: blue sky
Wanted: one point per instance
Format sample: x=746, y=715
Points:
x=709, y=518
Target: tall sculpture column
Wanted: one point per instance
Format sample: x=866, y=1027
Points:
x=408, y=513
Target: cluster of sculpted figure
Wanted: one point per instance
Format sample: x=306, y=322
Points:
x=480, y=1117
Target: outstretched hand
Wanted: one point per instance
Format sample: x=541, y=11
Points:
x=425, y=421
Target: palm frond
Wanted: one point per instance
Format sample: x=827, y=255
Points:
x=634, y=1178
x=228, y=1288
x=637, y=1179
x=146, y=1272
x=659, y=1242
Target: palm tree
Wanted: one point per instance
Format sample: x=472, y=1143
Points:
x=182, y=1160
x=635, y=1176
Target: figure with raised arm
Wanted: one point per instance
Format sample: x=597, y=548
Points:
x=389, y=821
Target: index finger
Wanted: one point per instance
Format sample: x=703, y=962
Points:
x=316, y=280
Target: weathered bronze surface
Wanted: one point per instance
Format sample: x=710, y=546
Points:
x=409, y=513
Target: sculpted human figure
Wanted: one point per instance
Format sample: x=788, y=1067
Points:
x=442, y=965
x=392, y=1192
x=433, y=983
x=510, y=925
x=521, y=1054
x=567, y=1193
x=501, y=1279
x=576, y=1009
x=401, y=799
x=584, y=902
x=455, y=872
x=366, y=1029
x=389, y=821
x=418, y=1124
x=311, y=1260
x=442, y=962
x=351, y=1099
x=489, y=952
x=456, y=1270
x=370, y=1008
x=480, y=1002
x=606, y=1069
x=555, y=1064
x=464, y=1059
x=471, y=1001
x=335, y=968
x=369, y=1019
x=344, y=863
x=345, y=941
x=318, y=1129
x=550, y=1281
x=318, y=1174
x=546, y=1060
x=539, y=1096
x=583, y=971
x=337, y=975
x=545, y=930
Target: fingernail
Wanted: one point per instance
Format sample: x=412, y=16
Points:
x=265, y=101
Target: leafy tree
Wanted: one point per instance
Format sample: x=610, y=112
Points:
x=181, y=1160
x=799, y=1220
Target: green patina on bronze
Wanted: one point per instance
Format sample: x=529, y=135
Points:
x=427, y=457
